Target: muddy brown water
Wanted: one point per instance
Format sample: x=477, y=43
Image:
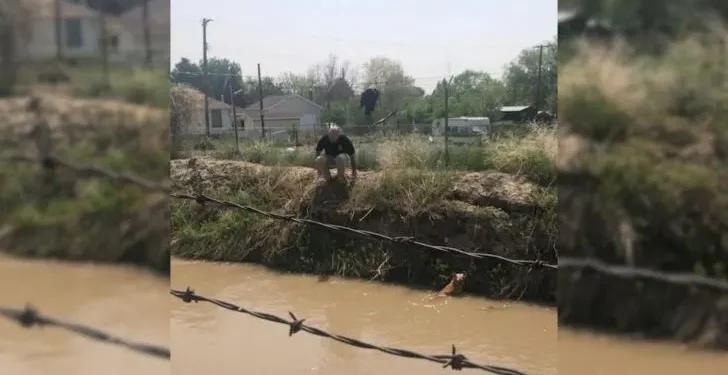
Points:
x=118, y=300
x=207, y=338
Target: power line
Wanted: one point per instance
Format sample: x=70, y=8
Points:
x=432, y=78
x=405, y=44
x=538, y=46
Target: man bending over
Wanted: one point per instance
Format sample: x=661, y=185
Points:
x=337, y=151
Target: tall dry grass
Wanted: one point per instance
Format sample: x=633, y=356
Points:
x=649, y=138
x=529, y=154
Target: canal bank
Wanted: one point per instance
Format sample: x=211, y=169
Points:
x=488, y=212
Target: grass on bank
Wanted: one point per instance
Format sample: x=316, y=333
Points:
x=653, y=132
x=529, y=155
x=398, y=200
x=136, y=85
x=62, y=216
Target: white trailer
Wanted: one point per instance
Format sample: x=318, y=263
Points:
x=462, y=126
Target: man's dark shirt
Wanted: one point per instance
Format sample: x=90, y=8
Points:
x=342, y=145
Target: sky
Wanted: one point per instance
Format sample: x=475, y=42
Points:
x=431, y=39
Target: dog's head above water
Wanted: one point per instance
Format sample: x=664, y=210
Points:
x=455, y=286
x=459, y=279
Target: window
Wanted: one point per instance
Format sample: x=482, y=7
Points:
x=74, y=34
x=114, y=43
x=216, y=118
x=242, y=123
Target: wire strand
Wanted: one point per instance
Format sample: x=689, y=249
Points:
x=456, y=361
x=29, y=317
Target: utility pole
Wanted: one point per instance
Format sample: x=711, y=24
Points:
x=310, y=97
x=206, y=81
x=447, y=120
x=104, y=45
x=235, y=119
x=147, y=34
x=59, y=30
x=260, y=101
x=537, y=102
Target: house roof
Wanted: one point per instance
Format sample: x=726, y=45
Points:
x=514, y=108
x=213, y=103
x=218, y=104
x=271, y=101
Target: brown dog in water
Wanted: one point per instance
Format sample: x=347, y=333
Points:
x=454, y=287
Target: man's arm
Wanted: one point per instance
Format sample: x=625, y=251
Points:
x=320, y=146
x=351, y=151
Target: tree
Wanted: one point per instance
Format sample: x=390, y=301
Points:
x=187, y=72
x=292, y=83
x=329, y=83
x=333, y=80
x=223, y=73
x=522, y=81
x=397, y=89
x=472, y=93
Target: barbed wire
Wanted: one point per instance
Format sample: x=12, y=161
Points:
x=51, y=161
x=202, y=199
x=41, y=133
x=631, y=272
x=454, y=360
x=29, y=317
x=594, y=264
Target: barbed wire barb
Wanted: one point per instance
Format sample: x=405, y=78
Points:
x=455, y=361
x=29, y=317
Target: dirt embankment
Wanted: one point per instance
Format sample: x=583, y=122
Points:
x=639, y=227
x=644, y=142
x=482, y=212
x=59, y=215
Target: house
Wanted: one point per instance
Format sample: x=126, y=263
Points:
x=282, y=114
x=221, y=119
x=81, y=33
x=158, y=13
x=520, y=114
